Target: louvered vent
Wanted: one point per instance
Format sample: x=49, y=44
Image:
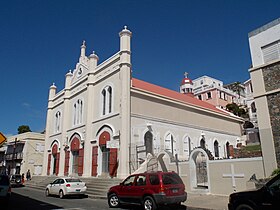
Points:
x=271, y=52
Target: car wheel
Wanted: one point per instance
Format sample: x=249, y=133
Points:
x=244, y=207
x=113, y=201
x=149, y=203
x=47, y=193
x=61, y=194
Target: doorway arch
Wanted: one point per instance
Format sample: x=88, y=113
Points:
x=105, y=154
x=74, y=158
x=199, y=170
x=53, y=159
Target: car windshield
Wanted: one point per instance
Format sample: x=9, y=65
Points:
x=171, y=179
x=4, y=180
x=73, y=180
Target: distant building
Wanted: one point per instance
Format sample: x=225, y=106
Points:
x=213, y=91
x=265, y=74
x=22, y=152
x=250, y=102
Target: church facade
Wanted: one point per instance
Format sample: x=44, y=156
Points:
x=105, y=123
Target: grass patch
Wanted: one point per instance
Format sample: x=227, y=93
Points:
x=251, y=148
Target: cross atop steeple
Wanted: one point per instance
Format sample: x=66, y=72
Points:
x=186, y=74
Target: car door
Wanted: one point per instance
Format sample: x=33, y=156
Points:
x=140, y=188
x=125, y=193
x=61, y=186
x=54, y=187
x=272, y=197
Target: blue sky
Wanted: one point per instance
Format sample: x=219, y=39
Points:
x=40, y=42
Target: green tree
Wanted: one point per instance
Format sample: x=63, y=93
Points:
x=236, y=110
x=237, y=87
x=23, y=129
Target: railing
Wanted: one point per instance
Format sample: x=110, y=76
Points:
x=15, y=156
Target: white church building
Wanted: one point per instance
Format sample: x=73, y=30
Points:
x=105, y=123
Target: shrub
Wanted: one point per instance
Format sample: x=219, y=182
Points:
x=275, y=172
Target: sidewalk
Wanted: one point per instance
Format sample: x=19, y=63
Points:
x=206, y=201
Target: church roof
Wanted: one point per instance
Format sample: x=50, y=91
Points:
x=171, y=94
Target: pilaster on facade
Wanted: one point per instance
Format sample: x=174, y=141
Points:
x=125, y=77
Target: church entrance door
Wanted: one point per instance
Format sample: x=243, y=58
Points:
x=105, y=152
x=54, y=164
x=105, y=159
x=75, y=162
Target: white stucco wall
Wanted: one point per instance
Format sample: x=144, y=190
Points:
x=260, y=37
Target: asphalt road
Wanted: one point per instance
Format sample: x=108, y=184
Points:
x=34, y=199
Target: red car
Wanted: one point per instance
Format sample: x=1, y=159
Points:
x=149, y=189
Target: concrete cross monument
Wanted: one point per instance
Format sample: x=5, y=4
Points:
x=233, y=176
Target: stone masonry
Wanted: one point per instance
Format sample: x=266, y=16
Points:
x=271, y=77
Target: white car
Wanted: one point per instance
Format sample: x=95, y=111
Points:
x=66, y=186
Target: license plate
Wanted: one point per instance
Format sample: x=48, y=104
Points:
x=175, y=190
x=78, y=190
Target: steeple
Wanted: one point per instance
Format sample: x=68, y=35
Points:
x=186, y=86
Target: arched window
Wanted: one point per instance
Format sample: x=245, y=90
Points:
x=78, y=112
x=107, y=100
x=110, y=99
x=216, y=148
x=57, y=121
x=170, y=144
x=186, y=147
x=103, y=101
x=253, y=107
x=227, y=149
x=202, y=143
x=148, y=138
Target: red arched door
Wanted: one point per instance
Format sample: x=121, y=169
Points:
x=77, y=153
x=53, y=161
x=109, y=155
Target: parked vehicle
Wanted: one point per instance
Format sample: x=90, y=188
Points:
x=149, y=189
x=16, y=180
x=267, y=197
x=5, y=188
x=66, y=186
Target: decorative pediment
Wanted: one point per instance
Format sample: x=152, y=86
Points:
x=80, y=71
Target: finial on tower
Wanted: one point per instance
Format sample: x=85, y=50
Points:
x=125, y=31
x=83, y=49
x=186, y=74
